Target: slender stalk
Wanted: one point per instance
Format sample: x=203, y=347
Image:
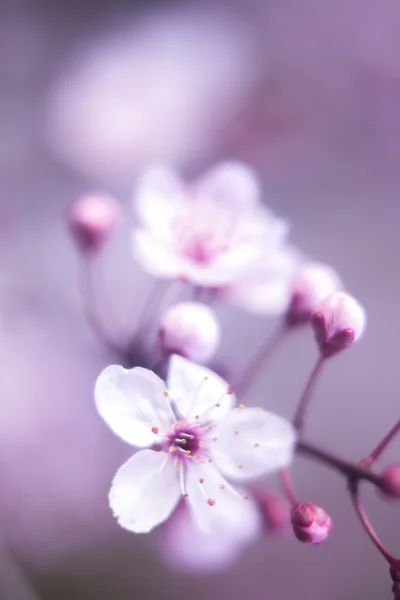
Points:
x=288, y=487
x=347, y=468
x=304, y=402
x=89, y=303
x=376, y=453
x=265, y=352
x=150, y=307
x=365, y=522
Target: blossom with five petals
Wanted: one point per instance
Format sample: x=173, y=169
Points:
x=193, y=441
x=210, y=233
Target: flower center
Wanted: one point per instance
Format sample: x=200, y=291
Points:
x=185, y=440
x=201, y=235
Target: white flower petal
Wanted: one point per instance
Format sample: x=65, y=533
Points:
x=266, y=287
x=155, y=255
x=252, y=442
x=195, y=390
x=132, y=402
x=186, y=547
x=145, y=491
x=231, y=184
x=216, y=505
x=158, y=198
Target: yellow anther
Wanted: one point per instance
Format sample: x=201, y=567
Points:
x=191, y=436
x=241, y=406
x=177, y=425
x=178, y=465
x=206, y=378
x=166, y=394
x=173, y=449
x=194, y=455
x=182, y=441
x=187, y=452
x=201, y=444
x=211, y=427
x=202, y=461
x=259, y=409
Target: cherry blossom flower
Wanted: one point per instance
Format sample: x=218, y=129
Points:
x=209, y=233
x=192, y=441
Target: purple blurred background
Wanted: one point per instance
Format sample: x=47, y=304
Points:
x=307, y=92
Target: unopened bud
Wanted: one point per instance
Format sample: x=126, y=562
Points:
x=390, y=481
x=338, y=321
x=311, y=524
x=274, y=510
x=311, y=284
x=190, y=329
x=92, y=219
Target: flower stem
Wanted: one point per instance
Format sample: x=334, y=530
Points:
x=362, y=515
x=265, y=352
x=351, y=470
x=375, y=454
x=288, y=487
x=304, y=402
x=150, y=307
x=89, y=302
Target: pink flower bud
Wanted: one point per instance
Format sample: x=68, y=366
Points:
x=190, y=329
x=338, y=321
x=311, y=284
x=390, y=481
x=92, y=218
x=311, y=524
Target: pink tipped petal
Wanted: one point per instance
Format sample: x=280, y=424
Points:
x=132, y=402
x=232, y=184
x=216, y=505
x=145, y=491
x=196, y=391
x=158, y=196
x=151, y=253
x=251, y=442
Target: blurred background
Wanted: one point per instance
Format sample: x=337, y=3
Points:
x=305, y=91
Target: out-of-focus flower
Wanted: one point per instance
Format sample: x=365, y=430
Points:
x=161, y=86
x=186, y=547
x=92, y=219
x=311, y=284
x=210, y=233
x=190, y=329
x=338, y=321
x=193, y=440
x=274, y=510
x=311, y=523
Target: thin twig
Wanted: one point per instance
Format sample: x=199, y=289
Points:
x=304, y=402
